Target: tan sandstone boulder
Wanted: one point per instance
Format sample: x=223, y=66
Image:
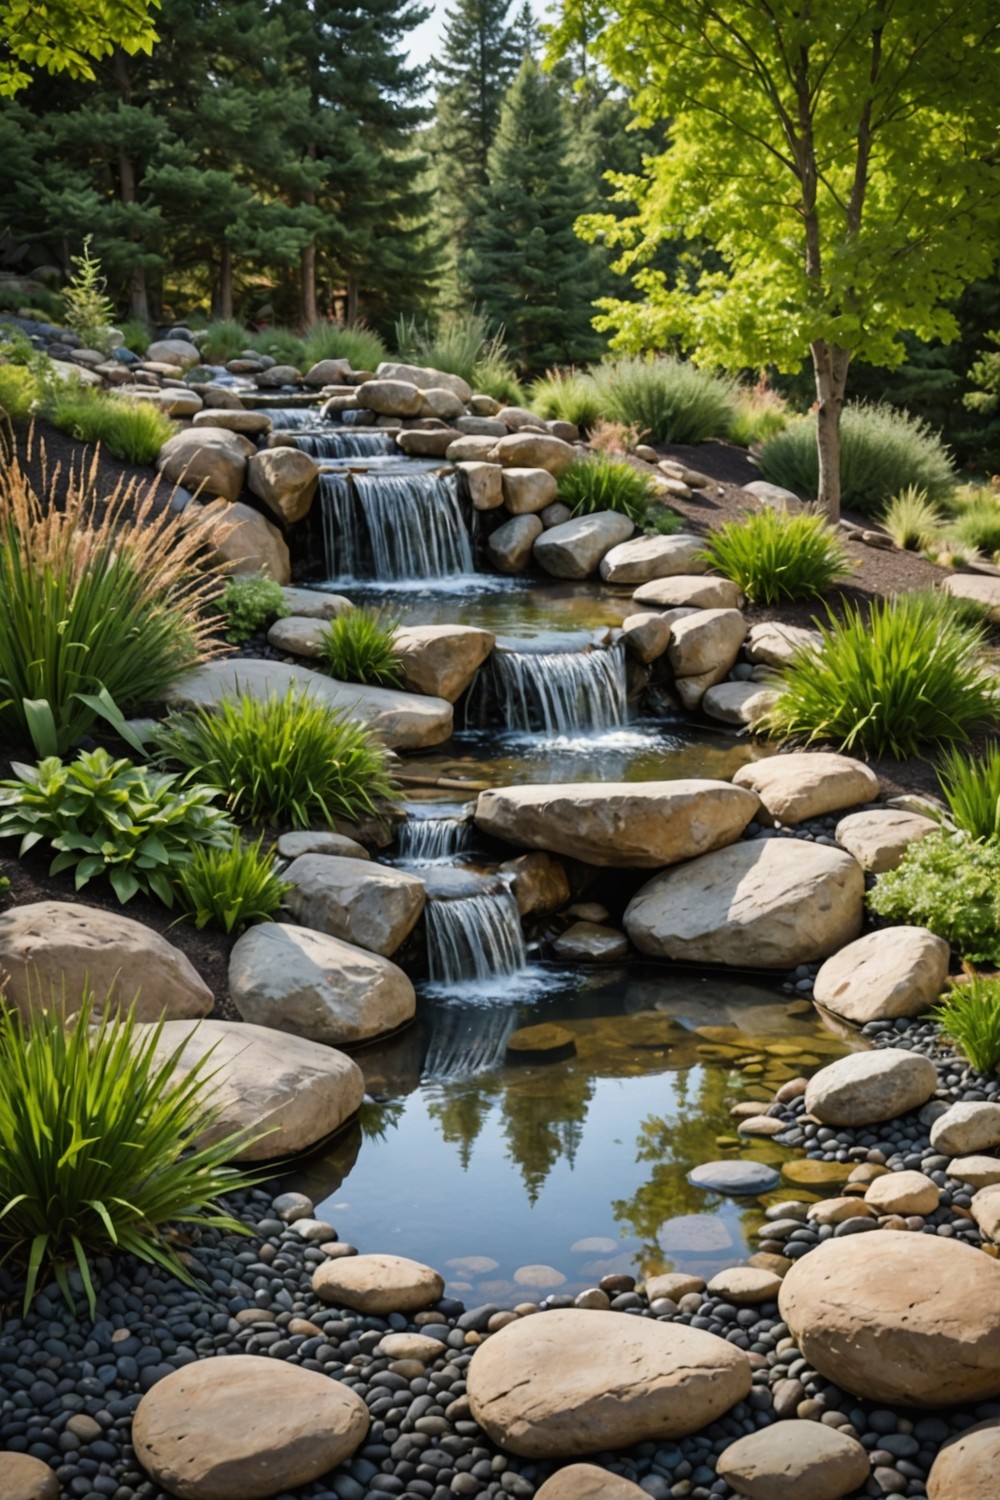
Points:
x=25, y=1478
x=441, y=660
x=574, y=549
x=879, y=837
x=285, y=479
x=533, y=450
x=647, y=557
x=865, y=1088
x=509, y=547
x=967, y=1466
x=210, y=459
x=700, y=591
x=241, y=539
x=706, y=642
x=795, y=1460
x=808, y=784
x=368, y=905
x=588, y=1482
x=893, y=971
x=377, y=1284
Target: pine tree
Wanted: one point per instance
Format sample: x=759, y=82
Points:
x=526, y=268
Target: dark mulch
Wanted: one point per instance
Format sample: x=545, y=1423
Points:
x=45, y=451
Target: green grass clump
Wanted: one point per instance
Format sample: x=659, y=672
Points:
x=20, y=392
x=911, y=520
x=951, y=885
x=602, y=483
x=667, y=400
x=760, y=414
x=569, y=395
x=224, y=340
x=466, y=345
x=248, y=603
x=360, y=646
x=494, y=375
x=774, y=556
x=230, y=885
x=906, y=677
x=132, y=430
x=281, y=345
x=970, y=1017
x=971, y=789
x=883, y=450
x=99, y=1147
x=136, y=335
x=287, y=761
x=362, y=348
x=976, y=525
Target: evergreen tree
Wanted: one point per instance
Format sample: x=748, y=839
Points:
x=526, y=268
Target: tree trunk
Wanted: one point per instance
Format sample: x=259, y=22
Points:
x=307, y=271
x=830, y=365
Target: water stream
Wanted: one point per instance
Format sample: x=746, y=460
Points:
x=552, y=692
x=396, y=527
x=341, y=442
x=474, y=938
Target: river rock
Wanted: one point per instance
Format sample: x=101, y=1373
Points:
x=211, y=460
x=241, y=539
x=767, y=903
x=519, y=419
x=25, y=1478
x=903, y=1193
x=647, y=557
x=48, y=948
x=295, y=1091
x=593, y=943
x=509, y=547
x=808, y=784
x=470, y=448
x=588, y=1482
x=425, y=378
x=538, y=883
x=534, y=450
x=737, y=702
x=795, y=1460
x=441, y=403
x=377, y=1284
x=736, y=1177
x=328, y=372
x=986, y=1211
x=319, y=841
x=368, y=905
x=299, y=635
x=249, y=423
x=708, y=641
x=772, y=644
x=646, y=635
x=576, y=1381
x=700, y=591
x=177, y=352
x=315, y=604
x=865, y=1088
x=632, y=825
x=574, y=549
x=977, y=1171
x=403, y=721
x=893, y=971
x=422, y=442
x=907, y=1319
x=528, y=491
x=276, y=376
x=774, y=496
x=746, y=1286
x=879, y=838
x=483, y=483
x=245, y=1428
x=966, y=1467
x=390, y=398
x=963, y=1128
x=285, y=479
x=316, y=986
x=441, y=660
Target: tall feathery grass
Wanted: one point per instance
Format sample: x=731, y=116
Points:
x=667, y=400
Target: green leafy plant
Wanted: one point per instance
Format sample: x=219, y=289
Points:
x=950, y=884
x=569, y=395
x=109, y=817
x=362, y=348
x=905, y=677
x=102, y=1146
x=360, y=646
x=911, y=520
x=669, y=400
x=230, y=885
x=87, y=310
x=971, y=789
x=760, y=414
x=976, y=525
x=249, y=603
x=602, y=483
x=285, y=760
x=660, y=520
x=103, y=600
x=20, y=392
x=132, y=430
x=775, y=556
x=883, y=450
x=969, y=1016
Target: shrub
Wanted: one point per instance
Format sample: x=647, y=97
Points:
x=108, y=817
x=906, y=677
x=660, y=520
x=911, y=520
x=230, y=885
x=976, y=526
x=86, y=310
x=601, y=483
x=248, y=604
x=19, y=392
x=951, y=885
x=970, y=1017
x=972, y=791
x=99, y=1147
x=362, y=348
x=285, y=761
x=280, y=344
x=569, y=395
x=132, y=430
x=99, y=593
x=360, y=646
x=463, y=344
x=883, y=449
x=223, y=341
x=667, y=400
x=774, y=556
x=614, y=438
x=760, y=414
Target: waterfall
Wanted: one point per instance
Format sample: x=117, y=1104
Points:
x=555, y=692
x=425, y=840
x=474, y=937
x=290, y=418
x=394, y=527
x=341, y=443
x=342, y=532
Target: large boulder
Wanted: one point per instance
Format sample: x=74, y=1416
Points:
x=25, y=1478
x=390, y=398
x=441, y=403
x=441, y=660
x=574, y=549
x=425, y=379
x=588, y=1482
x=245, y=1428
x=646, y=635
x=403, y=721
x=241, y=539
x=766, y=903
x=795, y=1460
x=483, y=483
x=50, y=949
x=328, y=372
x=285, y=479
x=970, y=1125
x=576, y=1381
x=773, y=644
x=533, y=450
x=527, y=491
x=377, y=1284
x=647, y=557
x=177, y=352
x=808, y=784
x=699, y=590
x=295, y=1092
x=865, y=1088
x=966, y=1468
x=369, y=905
x=317, y=986
x=635, y=825
x=908, y=1319
x=210, y=459
x=893, y=971
x=879, y=837
x=509, y=547
x=249, y=423
x=706, y=642
x=737, y=702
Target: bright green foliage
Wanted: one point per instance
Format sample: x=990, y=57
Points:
x=970, y=1017
x=360, y=646
x=906, y=677
x=98, y=1146
x=952, y=886
x=667, y=400
x=88, y=312
x=133, y=430
x=68, y=38
x=911, y=520
x=976, y=525
x=19, y=392
x=760, y=414
x=569, y=395
x=971, y=789
x=248, y=604
x=602, y=483
x=108, y=817
x=362, y=348
x=775, y=556
x=660, y=520
x=230, y=885
x=883, y=450
x=286, y=761
x=985, y=401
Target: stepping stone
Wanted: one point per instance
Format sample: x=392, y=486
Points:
x=701, y=1233
x=377, y=1284
x=245, y=1428
x=738, y=702
x=648, y=557
x=795, y=1460
x=735, y=1177
x=546, y=1042
x=25, y=1478
x=700, y=591
x=808, y=784
x=869, y=1087
x=591, y=942
x=966, y=1468
x=981, y=588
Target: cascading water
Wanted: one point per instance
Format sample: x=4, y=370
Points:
x=474, y=937
x=290, y=418
x=346, y=443
x=400, y=527
x=554, y=692
x=424, y=841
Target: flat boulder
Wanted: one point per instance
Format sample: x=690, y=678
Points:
x=390, y=398
x=441, y=660
x=879, y=837
x=575, y=1381
x=299, y=635
x=249, y=423
x=370, y=906
x=534, y=450
x=795, y=1460
x=737, y=1177
x=966, y=1468
x=972, y=1125
x=295, y=1091
x=772, y=644
x=765, y=903
x=245, y=1428
x=746, y=1286
x=315, y=604
x=629, y=825
x=210, y=459
x=647, y=557
x=700, y=591
x=893, y=971
x=593, y=943
x=528, y=491
x=979, y=587
x=377, y=1284
x=907, y=1319
x=574, y=549
x=316, y=986
x=706, y=642
x=285, y=480
x=51, y=948
x=483, y=483
x=866, y=1088
x=808, y=784
x=738, y=702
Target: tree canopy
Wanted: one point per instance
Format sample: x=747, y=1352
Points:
x=67, y=36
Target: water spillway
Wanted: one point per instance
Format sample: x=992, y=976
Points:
x=424, y=841
x=553, y=692
x=394, y=528
x=474, y=937
x=340, y=442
